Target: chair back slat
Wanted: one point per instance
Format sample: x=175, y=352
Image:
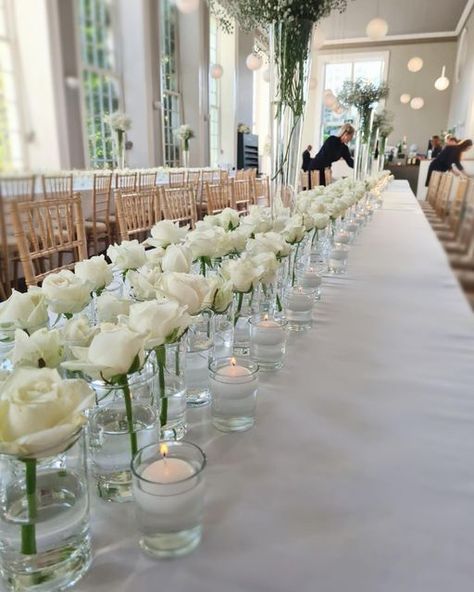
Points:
x=57, y=186
x=241, y=198
x=179, y=205
x=126, y=181
x=177, y=178
x=218, y=196
x=46, y=230
x=442, y=196
x=262, y=187
x=466, y=229
x=457, y=205
x=147, y=180
x=433, y=186
x=137, y=213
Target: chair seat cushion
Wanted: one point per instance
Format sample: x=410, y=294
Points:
x=100, y=226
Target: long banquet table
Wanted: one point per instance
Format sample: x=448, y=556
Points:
x=359, y=474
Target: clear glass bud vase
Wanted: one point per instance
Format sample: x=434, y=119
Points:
x=44, y=519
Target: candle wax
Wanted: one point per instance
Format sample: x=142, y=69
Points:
x=233, y=371
x=168, y=470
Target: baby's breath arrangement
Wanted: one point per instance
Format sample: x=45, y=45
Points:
x=363, y=95
x=383, y=121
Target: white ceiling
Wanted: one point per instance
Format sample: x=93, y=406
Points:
x=404, y=17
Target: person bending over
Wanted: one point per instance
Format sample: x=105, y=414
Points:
x=333, y=149
x=449, y=156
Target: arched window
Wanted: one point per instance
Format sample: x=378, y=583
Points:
x=12, y=153
x=99, y=78
x=170, y=91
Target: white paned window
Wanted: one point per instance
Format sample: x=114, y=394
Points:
x=335, y=72
x=11, y=133
x=170, y=94
x=99, y=79
x=214, y=98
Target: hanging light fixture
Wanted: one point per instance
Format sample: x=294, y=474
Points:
x=405, y=98
x=377, y=29
x=442, y=82
x=216, y=71
x=415, y=64
x=253, y=61
x=187, y=6
x=417, y=103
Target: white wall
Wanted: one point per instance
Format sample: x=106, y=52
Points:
x=461, y=111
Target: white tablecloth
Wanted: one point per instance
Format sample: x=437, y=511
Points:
x=359, y=475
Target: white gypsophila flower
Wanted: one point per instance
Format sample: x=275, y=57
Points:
x=118, y=121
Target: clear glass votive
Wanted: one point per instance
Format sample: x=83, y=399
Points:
x=343, y=237
x=310, y=278
x=234, y=385
x=299, y=303
x=268, y=341
x=168, y=489
x=200, y=346
x=338, y=259
x=112, y=445
x=223, y=335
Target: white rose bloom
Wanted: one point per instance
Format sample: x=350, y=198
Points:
x=187, y=289
x=96, y=271
x=26, y=311
x=268, y=264
x=127, y=255
x=294, y=230
x=40, y=412
x=65, y=292
x=166, y=233
x=228, y=219
x=321, y=221
x=44, y=348
x=78, y=331
x=177, y=258
x=243, y=274
x=112, y=352
x=154, y=257
x=238, y=239
x=272, y=242
x=160, y=321
x=205, y=242
x=220, y=294
x=145, y=282
x=109, y=307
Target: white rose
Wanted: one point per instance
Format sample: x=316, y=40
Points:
x=228, y=219
x=268, y=264
x=238, y=239
x=25, y=311
x=204, y=243
x=154, y=257
x=294, y=231
x=127, y=255
x=40, y=412
x=44, y=348
x=177, y=258
x=112, y=352
x=269, y=242
x=321, y=221
x=189, y=290
x=145, y=282
x=65, y=292
x=109, y=307
x=220, y=294
x=96, y=271
x=161, y=321
x=166, y=233
x=78, y=331
x=242, y=273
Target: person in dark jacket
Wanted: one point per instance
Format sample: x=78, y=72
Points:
x=449, y=156
x=306, y=158
x=333, y=149
x=436, y=146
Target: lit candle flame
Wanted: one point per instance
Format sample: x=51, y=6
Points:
x=233, y=362
x=163, y=450
x=265, y=318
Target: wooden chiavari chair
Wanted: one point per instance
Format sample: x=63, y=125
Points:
x=126, y=181
x=223, y=176
x=137, y=213
x=45, y=230
x=218, y=197
x=262, y=188
x=241, y=195
x=239, y=175
x=177, y=179
x=193, y=179
x=440, y=207
x=179, y=205
x=465, y=239
x=432, y=191
x=100, y=228
x=304, y=180
x=147, y=180
x=327, y=175
x=208, y=176
x=57, y=186
x=448, y=229
x=18, y=189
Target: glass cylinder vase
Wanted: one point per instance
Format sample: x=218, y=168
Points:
x=44, y=519
x=199, y=352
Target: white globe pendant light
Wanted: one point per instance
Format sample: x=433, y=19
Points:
x=266, y=75
x=415, y=64
x=377, y=29
x=442, y=82
x=216, y=71
x=405, y=98
x=417, y=103
x=253, y=61
x=187, y=6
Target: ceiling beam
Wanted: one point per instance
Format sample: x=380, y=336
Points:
x=464, y=16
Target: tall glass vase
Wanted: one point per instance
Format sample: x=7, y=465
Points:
x=289, y=67
x=363, y=152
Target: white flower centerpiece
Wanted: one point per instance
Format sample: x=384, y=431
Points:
x=120, y=123
x=184, y=133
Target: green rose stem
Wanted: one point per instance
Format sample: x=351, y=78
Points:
x=161, y=359
x=293, y=278
x=203, y=266
x=28, y=531
x=129, y=411
x=278, y=303
x=239, y=307
x=315, y=237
